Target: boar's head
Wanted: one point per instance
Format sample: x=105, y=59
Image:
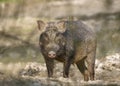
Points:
x=52, y=41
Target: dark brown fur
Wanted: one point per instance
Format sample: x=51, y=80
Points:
x=77, y=44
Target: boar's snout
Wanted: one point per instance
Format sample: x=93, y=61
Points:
x=51, y=54
x=52, y=50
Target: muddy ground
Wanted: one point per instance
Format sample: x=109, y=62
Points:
x=34, y=74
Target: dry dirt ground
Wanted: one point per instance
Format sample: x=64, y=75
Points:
x=34, y=74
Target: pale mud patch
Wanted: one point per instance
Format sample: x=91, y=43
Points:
x=62, y=79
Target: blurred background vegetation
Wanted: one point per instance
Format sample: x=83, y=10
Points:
x=18, y=28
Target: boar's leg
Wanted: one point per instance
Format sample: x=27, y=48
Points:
x=91, y=63
x=67, y=64
x=50, y=66
x=83, y=69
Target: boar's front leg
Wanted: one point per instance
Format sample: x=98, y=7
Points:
x=50, y=66
x=69, y=56
x=67, y=64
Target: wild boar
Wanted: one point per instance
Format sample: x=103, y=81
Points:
x=75, y=44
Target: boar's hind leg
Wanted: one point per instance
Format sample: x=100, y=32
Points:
x=83, y=69
x=50, y=66
x=91, y=63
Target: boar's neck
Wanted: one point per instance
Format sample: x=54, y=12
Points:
x=69, y=34
x=70, y=29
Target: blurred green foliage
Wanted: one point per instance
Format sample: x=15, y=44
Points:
x=9, y=0
x=108, y=41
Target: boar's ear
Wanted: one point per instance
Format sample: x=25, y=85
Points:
x=61, y=25
x=41, y=24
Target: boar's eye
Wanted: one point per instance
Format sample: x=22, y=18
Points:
x=62, y=42
x=44, y=38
